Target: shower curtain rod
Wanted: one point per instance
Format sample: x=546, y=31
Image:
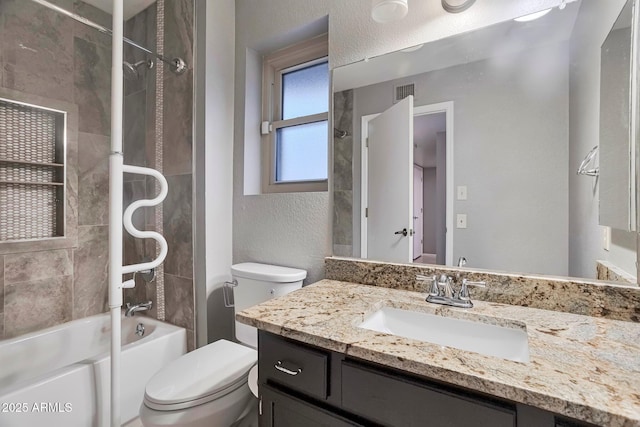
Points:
x=177, y=65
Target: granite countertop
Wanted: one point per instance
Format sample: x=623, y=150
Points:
x=582, y=367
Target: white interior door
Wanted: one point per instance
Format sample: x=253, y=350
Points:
x=390, y=184
x=418, y=209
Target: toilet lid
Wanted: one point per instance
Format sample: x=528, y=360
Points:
x=268, y=273
x=209, y=371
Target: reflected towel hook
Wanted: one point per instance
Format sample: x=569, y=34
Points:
x=582, y=169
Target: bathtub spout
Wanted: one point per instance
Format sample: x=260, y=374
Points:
x=143, y=306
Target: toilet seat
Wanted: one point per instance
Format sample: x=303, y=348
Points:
x=201, y=376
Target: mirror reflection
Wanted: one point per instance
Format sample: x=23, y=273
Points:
x=616, y=180
x=480, y=164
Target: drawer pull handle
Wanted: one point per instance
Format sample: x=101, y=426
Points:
x=281, y=368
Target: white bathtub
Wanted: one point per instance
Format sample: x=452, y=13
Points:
x=60, y=376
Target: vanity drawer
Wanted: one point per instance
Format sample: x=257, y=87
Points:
x=397, y=401
x=298, y=367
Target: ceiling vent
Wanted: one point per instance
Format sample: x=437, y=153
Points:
x=401, y=92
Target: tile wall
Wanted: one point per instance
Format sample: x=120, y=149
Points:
x=45, y=54
x=343, y=175
x=51, y=59
x=140, y=149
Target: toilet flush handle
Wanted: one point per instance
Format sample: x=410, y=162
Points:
x=227, y=292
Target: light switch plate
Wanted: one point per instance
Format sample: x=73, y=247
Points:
x=461, y=221
x=462, y=192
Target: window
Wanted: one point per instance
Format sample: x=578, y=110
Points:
x=295, y=108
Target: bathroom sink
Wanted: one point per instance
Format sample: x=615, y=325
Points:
x=490, y=340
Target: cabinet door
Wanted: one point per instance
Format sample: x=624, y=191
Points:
x=399, y=402
x=282, y=410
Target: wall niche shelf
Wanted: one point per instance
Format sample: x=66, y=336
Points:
x=22, y=162
x=32, y=171
x=32, y=183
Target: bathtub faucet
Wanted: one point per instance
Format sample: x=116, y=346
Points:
x=143, y=306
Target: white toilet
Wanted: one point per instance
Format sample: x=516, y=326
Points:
x=209, y=386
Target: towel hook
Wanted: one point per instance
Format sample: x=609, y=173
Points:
x=582, y=169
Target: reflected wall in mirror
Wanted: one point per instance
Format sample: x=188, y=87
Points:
x=498, y=170
x=617, y=154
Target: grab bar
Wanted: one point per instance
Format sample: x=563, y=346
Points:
x=128, y=221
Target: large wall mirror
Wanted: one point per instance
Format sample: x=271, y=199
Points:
x=468, y=147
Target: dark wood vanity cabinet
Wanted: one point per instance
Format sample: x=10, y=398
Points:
x=391, y=400
x=304, y=386
x=283, y=409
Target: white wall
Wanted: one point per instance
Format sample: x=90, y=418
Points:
x=430, y=212
x=441, y=197
x=586, y=244
x=213, y=144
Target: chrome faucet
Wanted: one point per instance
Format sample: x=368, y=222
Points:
x=143, y=306
x=442, y=291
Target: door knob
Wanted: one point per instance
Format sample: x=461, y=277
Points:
x=404, y=232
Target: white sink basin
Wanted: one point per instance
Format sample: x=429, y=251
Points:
x=490, y=340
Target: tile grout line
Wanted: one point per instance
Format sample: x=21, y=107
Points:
x=159, y=140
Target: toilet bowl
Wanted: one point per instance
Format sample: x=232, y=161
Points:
x=207, y=387
x=253, y=380
x=210, y=387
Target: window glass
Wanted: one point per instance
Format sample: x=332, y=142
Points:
x=301, y=152
x=305, y=91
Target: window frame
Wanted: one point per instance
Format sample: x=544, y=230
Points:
x=297, y=56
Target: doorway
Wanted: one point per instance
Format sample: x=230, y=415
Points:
x=435, y=229
x=429, y=142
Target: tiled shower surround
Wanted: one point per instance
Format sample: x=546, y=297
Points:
x=46, y=56
x=343, y=175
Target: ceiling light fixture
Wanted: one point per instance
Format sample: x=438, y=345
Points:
x=533, y=16
x=412, y=48
x=384, y=11
x=456, y=6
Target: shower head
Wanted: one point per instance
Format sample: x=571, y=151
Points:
x=340, y=134
x=131, y=71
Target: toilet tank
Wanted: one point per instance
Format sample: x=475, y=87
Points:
x=258, y=283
